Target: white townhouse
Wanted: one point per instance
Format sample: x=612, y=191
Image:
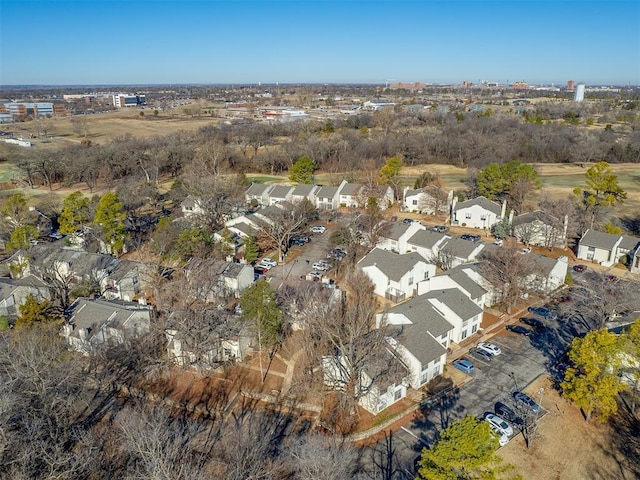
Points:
x=302, y=191
x=421, y=201
x=395, y=276
x=478, y=212
x=539, y=228
x=455, y=251
x=550, y=273
x=463, y=278
x=420, y=338
x=605, y=248
x=351, y=195
x=458, y=309
x=395, y=237
x=279, y=194
x=327, y=197
x=427, y=243
x=258, y=193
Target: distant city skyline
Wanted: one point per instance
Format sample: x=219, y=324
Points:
x=86, y=42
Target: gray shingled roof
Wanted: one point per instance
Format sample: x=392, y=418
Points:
x=481, y=201
x=393, y=265
x=418, y=340
x=593, y=238
x=411, y=193
x=420, y=311
x=426, y=238
x=93, y=314
x=280, y=191
x=245, y=228
x=257, y=189
x=629, y=243
x=533, y=216
x=545, y=264
x=459, y=276
x=458, y=247
x=456, y=301
x=327, y=192
x=302, y=190
x=396, y=230
x=351, y=189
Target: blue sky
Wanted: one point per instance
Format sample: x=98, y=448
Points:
x=82, y=42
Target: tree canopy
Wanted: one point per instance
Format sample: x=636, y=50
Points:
x=389, y=174
x=76, y=213
x=465, y=450
x=33, y=312
x=592, y=382
x=110, y=218
x=302, y=170
x=511, y=179
x=601, y=190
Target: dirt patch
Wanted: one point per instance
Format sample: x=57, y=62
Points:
x=567, y=447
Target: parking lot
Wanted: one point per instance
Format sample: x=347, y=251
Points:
x=523, y=359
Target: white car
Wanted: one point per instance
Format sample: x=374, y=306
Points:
x=268, y=266
x=490, y=348
x=502, y=438
x=499, y=423
x=318, y=229
x=322, y=266
x=268, y=261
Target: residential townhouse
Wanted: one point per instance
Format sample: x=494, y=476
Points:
x=606, y=248
x=304, y=191
x=258, y=194
x=455, y=251
x=352, y=195
x=395, y=276
x=279, y=194
x=97, y=324
x=540, y=229
x=396, y=236
x=427, y=243
x=463, y=278
x=478, y=212
x=421, y=201
x=14, y=292
x=59, y=267
x=328, y=197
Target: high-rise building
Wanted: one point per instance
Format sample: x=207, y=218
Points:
x=579, y=95
x=571, y=85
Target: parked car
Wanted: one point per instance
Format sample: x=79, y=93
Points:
x=532, y=322
x=519, y=329
x=260, y=270
x=579, y=268
x=56, y=235
x=481, y=354
x=408, y=220
x=499, y=243
x=543, y=312
x=322, y=266
x=507, y=413
x=470, y=237
x=268, y=266
x=463, y=364
x=502, y=438
x=611, y=278
x=440, y=228
x=527, y=401
x=525, y=250
x=318, y=229
x=268, y=261
x=489, y=347
x=501, y=425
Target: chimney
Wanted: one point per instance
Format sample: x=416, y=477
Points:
x=511, y=217
x=565, y=228
x=504, y=209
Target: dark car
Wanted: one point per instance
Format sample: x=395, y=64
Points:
x=440, y=228
x=408, y=220
x=579, y=268
x=532, y=322
x=543, y=312
x=519, y=329
x=470, y=237
x=481, y=354
x=611, y=278
x=526, y=401
x=260, y=270
x=507, y=413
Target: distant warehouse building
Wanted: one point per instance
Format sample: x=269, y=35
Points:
x=127, y=100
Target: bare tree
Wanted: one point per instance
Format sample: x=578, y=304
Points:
x=510, y=272
x=316, y=457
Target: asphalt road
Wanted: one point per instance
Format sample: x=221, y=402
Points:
x=522, y=360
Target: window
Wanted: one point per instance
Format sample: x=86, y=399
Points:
x=397, y=395
x=414, y=202
x=483, y=217
x=463, y=335
x=424, y=376
x=474, y=329
x=410, y=280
